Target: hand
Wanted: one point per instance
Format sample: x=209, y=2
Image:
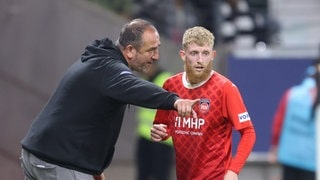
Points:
x=158, y=132
x=272, y=155
x=230, y=175
x=99, y=177
x=185, y=107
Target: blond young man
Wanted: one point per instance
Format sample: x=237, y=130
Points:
x=203, y=143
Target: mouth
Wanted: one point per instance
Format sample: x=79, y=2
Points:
x=199, y=68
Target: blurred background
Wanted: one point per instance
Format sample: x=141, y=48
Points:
x=263, y=46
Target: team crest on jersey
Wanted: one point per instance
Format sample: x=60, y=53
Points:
x=204, y=105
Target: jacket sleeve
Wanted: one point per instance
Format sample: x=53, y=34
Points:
x=122, y=85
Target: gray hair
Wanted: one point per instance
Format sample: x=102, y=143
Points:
x=131, y=33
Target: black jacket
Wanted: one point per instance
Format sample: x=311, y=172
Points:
x=79, y=126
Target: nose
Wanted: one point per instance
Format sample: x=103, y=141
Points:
x=200, y=58
x=155, y=55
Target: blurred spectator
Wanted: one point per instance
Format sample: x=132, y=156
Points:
x=266, y=28
x=293, y=133
x=122, y=7
x=207, y=14
x=170, y=17
x=154, y=160
x=183, y=18
x=153, y=11
x=237, y=23
x=232, y=21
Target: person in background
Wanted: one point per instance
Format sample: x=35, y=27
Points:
x=148, y=165
x=171, y=17
x=74, y=136
x=203, y=144
x=293, y=131
x=154, y=11
x=237, y=23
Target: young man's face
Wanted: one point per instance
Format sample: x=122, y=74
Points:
x=148, y=53
x=198, y=62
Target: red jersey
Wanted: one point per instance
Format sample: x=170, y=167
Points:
x=203, y=145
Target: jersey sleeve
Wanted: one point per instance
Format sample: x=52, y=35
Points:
x=236, y=112
x=234, y=108
x=161, y=117
x=164, y=116
x=247, y=140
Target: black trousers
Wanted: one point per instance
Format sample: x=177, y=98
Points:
x=293, y=173
x=154, y=160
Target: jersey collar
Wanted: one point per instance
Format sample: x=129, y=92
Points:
x=187, y=85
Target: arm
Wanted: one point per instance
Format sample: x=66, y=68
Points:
x=159, y=130
x=247, y=140
x=236, y=112
x=276, y=127
x=121, y=84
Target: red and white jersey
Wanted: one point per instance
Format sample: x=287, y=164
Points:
x=203, y=145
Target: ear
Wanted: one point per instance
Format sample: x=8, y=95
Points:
x=130, y=51
x=182, y=54
x=214, y=53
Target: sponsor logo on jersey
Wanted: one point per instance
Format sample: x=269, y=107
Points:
x=189, y=122
x=244, y=117
x=186, y=132
x=204, y=105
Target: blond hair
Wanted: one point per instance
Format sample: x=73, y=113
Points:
x=198, y=35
